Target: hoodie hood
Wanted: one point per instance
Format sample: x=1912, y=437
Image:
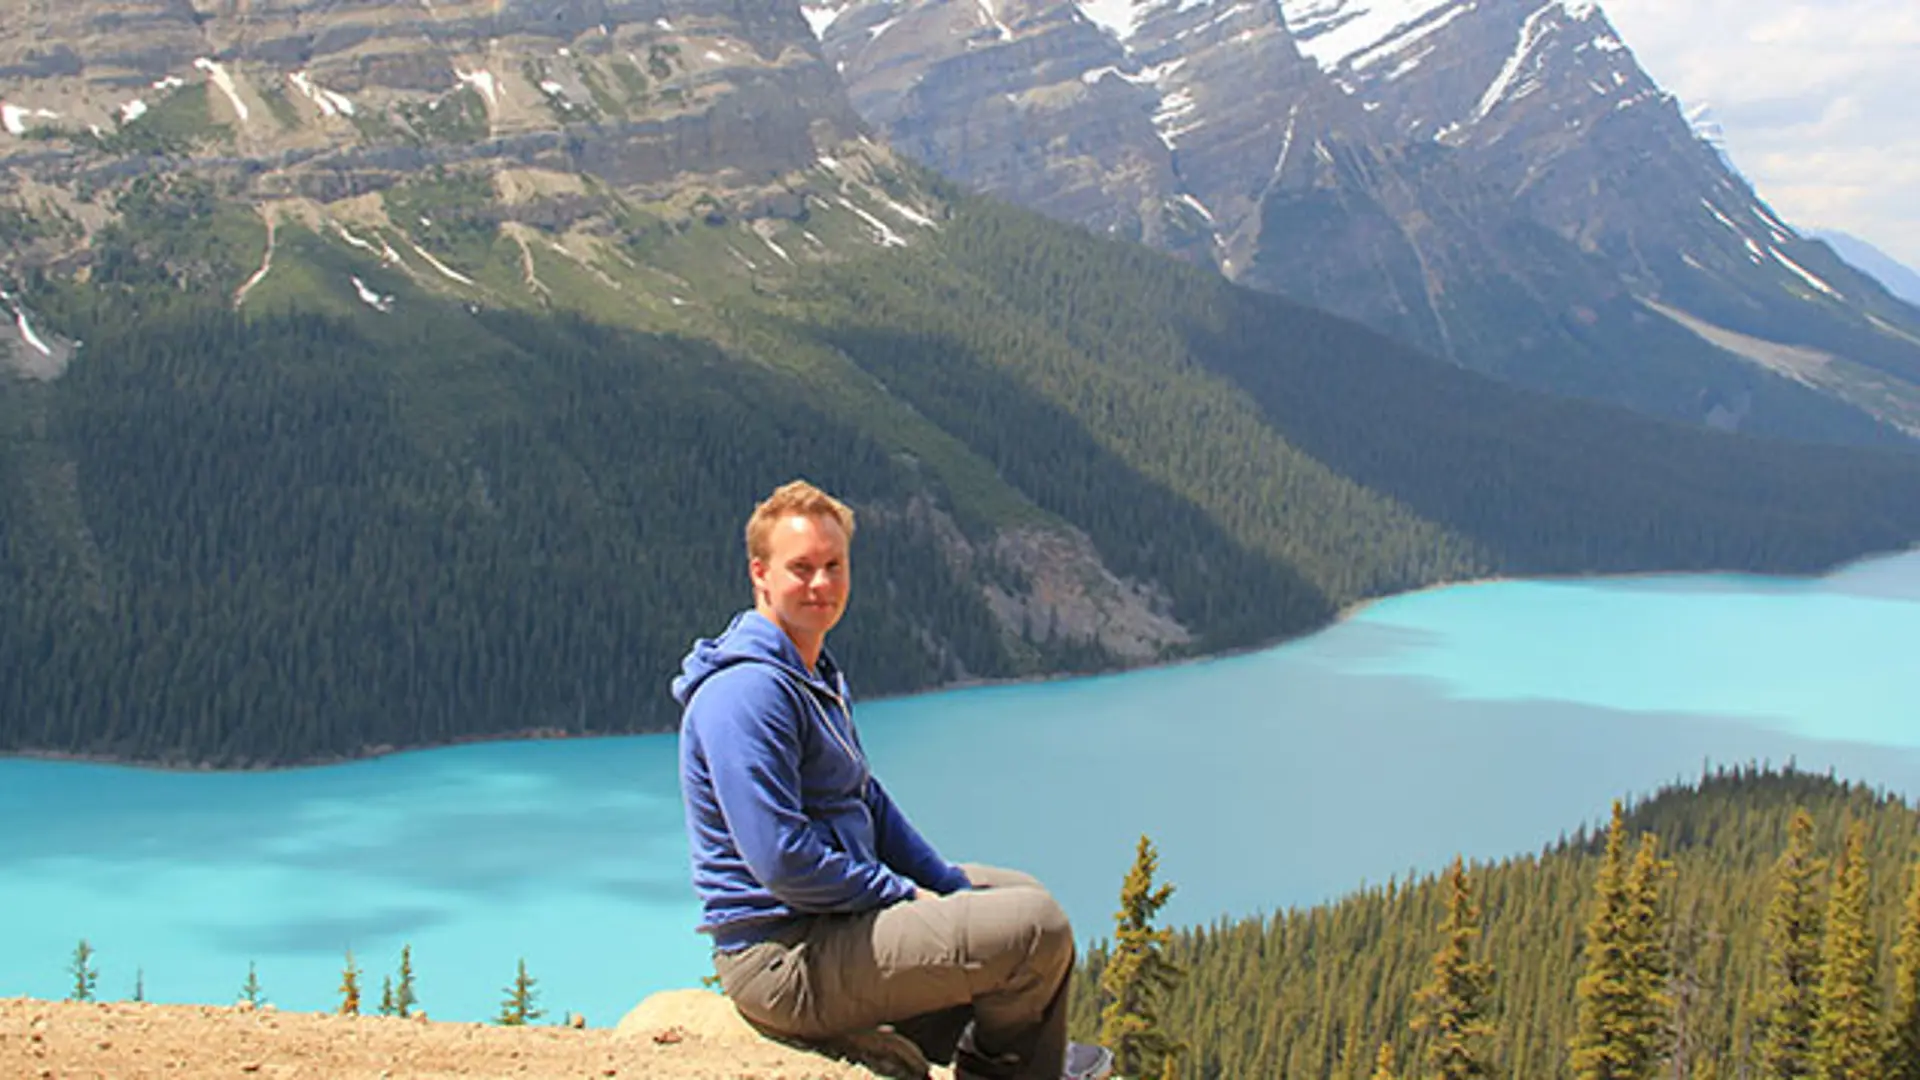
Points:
x=750, y=638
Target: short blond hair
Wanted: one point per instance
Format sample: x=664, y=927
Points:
x=796, y=497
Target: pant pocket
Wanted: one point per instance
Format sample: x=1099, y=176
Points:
x=763, y=982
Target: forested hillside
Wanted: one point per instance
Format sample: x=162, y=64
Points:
x=1313, y=993
x=323, y=524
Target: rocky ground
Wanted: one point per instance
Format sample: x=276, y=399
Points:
x=683, y=1035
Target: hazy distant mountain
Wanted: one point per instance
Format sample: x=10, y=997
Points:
x=1900, y=279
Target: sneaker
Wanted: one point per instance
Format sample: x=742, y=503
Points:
x=1087, y=1062
x=881, y=1051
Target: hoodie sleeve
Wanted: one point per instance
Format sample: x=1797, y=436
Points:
x=749, y=727
x=905, y=850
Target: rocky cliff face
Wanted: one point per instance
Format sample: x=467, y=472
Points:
x=327, y=98
x=1496, y=181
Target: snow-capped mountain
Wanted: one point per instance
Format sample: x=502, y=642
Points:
x=1497, y=181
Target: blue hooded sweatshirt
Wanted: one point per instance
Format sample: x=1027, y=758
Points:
x=784, y=817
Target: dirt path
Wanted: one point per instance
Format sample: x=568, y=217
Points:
x=685, y=1035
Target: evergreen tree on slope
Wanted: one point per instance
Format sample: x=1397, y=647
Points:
x=1139, y=975
x=1846, y=1031
x=1623, y=1006
x=1791, y=979
x=1903, y=1035
x=1451, y=1009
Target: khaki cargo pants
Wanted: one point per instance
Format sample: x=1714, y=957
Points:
x=978, y=978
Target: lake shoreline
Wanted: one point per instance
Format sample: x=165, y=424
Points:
x=1344, y=614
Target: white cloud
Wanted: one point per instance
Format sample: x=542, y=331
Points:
x=1820, y=101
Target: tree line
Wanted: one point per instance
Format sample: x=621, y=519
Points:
x=304, y=532
x=1702, y=935
x=1668, y=944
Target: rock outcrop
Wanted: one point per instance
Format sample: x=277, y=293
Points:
x=327, y=99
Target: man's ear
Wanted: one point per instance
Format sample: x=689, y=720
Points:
x=757, y=575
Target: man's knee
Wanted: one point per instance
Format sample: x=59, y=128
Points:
x=1052, y=941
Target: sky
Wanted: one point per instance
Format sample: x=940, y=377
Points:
x=1820, y=101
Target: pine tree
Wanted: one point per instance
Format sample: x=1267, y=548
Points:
x=139, y=984
x=85, y=976
x=1846, y=1040
x=1451, y=1009
x=1903, y=1036
x=1622, y=1000
x=1139, y=975
x=1383, y=1063
x=350, y=987
x=1651, y=1028
x=1792, y=929
x=251, y=991
x=403, y=995
x=386, y=995
x=519, y=1009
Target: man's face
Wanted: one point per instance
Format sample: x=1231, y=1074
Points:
x=803, y=582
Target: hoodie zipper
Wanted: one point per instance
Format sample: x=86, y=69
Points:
x=845, y=741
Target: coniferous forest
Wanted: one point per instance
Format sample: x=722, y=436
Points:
x=309, y=529
x=1755, y=923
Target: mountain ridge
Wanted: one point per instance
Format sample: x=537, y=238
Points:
x=399, y=427
x=1499, y=184
x=1899, y=279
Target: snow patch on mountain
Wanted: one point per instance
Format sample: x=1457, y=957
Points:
x=371, y=298
x=444, y=269
x=1225, y=13
x=1332, y=31
x=225, y=82
x=821, y=16
x=1286, y=141
x=328, y=102
x=1175, y=117
x=882, y=233
x=14, y=117
x=1804, y=274
x=1509, y=84
x=1117, y=17
x=482, y=81
x=1405, y=37
x=1720, y=217
x=27, y=335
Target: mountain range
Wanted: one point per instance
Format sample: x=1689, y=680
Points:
x=1900, y=279
x=382, y=376
x=1496, y=182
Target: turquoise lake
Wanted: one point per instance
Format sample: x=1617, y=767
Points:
x=1484, y=719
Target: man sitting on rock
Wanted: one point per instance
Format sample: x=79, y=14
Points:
x=835, y=923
